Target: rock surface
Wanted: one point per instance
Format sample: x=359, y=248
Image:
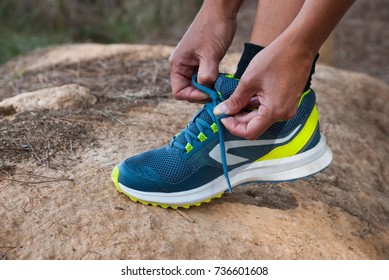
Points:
x=341, y=213
x=55, y=98
x=76, y=53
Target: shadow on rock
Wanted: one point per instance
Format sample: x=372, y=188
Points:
x=262, y=195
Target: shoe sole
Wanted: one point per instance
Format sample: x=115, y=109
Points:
x=291, y=168
x=119, y=187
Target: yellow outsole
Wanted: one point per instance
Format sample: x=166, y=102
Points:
x=115, y=179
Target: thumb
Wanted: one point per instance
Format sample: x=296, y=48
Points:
x=233, y=105
x=208, y=72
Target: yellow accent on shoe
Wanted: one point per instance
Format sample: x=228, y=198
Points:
x=230, y=76
x=188, y=147
x=202, y=137
x=165, y=206
x=115, y=178
x=214, y=128
x=302, y=96
x=294, y=146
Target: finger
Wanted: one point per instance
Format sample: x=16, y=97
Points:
x=193, y=95
x=251, y=126
x=237, y=101
x=183, y=89
x=245, y=117
x=208, y=72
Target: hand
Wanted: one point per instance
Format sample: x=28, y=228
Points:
x=273, y=84
x=201, y=49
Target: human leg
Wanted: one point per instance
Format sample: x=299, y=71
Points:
x=272, y=18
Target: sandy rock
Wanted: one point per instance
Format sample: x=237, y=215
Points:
x=341, y=213
x=78, y=53
x=56, y=98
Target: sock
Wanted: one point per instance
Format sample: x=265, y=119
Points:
x=308, y=84
x=250, y=50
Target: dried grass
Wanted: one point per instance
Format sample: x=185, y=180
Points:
x=46, y=136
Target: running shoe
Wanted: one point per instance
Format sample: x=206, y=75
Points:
x=204, y=160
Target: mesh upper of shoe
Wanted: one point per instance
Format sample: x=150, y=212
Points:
x=226, y=86
x=165, y=162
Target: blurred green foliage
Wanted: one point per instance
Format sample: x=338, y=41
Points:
x=29, y=24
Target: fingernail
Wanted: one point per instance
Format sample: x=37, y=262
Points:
x=220, y=109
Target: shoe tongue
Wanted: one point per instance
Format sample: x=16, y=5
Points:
x=225, y=85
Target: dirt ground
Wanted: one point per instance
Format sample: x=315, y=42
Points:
x=57, y=200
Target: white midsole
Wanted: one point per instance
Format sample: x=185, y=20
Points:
x=284, y=169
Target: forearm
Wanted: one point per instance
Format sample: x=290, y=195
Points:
x=314, y=23
x=228, y=8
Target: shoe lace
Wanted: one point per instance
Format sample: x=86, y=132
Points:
x=202, y=125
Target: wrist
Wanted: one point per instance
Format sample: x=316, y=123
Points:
x=220, y=8
x=298, y=45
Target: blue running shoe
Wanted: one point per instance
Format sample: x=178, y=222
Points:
x=204, y=159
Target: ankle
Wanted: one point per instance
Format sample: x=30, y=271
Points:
x=250, y=50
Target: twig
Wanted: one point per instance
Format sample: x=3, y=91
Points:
x=47, y=158
x=112, y=117
x=16, y=149
x=71, y=146
x=61, y=120
x=34, y=175
x=70, y=120
x=8, y=247
x=40, y=182
x=32, y=149
x=190, y=220
x=9, y=175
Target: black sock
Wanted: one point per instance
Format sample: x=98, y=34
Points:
x=308, y=84
x=250, y=50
